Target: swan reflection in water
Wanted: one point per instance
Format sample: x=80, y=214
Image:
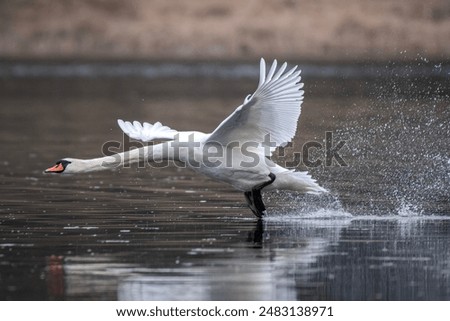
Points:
x=302, y=259
x=279, y=259
x=276, y=260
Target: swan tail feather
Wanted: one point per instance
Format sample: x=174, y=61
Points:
x=298, y=181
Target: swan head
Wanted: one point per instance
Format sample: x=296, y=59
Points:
x=66, y=166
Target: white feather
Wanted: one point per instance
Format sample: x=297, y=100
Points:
x=147, y=132
x=273, y=109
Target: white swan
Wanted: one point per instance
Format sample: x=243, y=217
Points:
x=236, y=152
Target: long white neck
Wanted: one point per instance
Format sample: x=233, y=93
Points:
x=179, y=149
x=153, y=153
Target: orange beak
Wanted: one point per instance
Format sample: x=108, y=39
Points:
x=58, y=168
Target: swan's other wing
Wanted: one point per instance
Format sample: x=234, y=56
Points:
x=147, y=132
x=273, y=109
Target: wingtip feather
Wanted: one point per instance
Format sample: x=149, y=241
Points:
x=262, y=72
x=271, y=71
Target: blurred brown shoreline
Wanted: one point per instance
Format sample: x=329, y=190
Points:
x=320, y=31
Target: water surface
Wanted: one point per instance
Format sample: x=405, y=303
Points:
x=171, y=234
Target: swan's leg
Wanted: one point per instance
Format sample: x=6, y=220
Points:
x=258, y=203
x=254, y=198
x=250, y=202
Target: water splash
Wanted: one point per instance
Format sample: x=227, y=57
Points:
x=291, y=206
x=398, y=149
x=407, y=209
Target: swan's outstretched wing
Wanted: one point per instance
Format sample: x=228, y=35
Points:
x=273, y=109
x=147, y=132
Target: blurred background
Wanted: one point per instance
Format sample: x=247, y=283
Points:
x=320, y=30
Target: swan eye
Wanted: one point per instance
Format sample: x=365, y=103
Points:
x=247, y=98
x=63, y=162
